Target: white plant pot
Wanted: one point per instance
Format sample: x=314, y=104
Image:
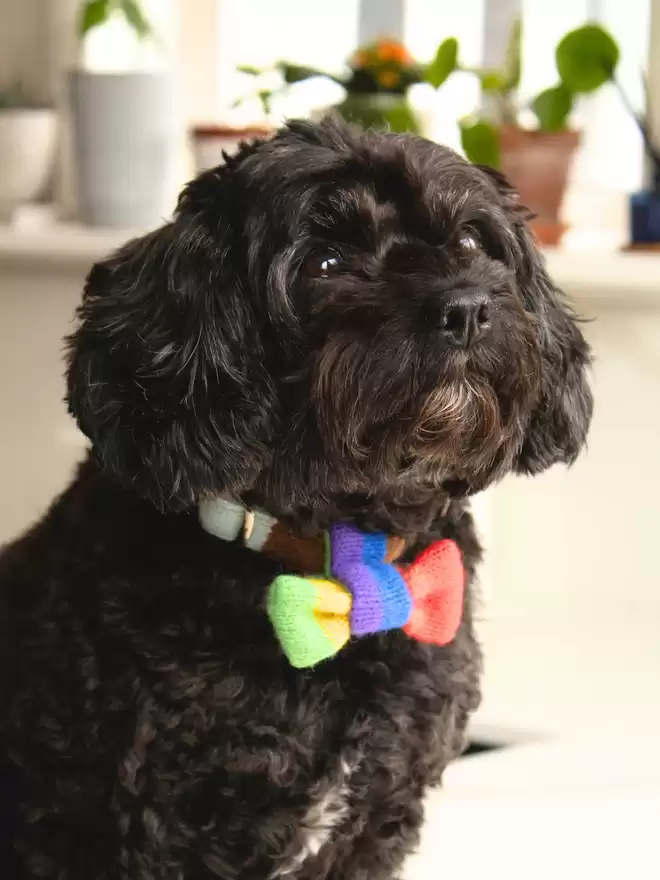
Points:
x=27, y=150
x=125, y=145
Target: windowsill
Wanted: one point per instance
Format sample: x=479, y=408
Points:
x=608, y=278
x=590, y=269
x=66, y=245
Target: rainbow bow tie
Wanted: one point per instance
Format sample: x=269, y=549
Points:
x=361, y=594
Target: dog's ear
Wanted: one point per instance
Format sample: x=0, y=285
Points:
x=560, y=419
x=166, y=372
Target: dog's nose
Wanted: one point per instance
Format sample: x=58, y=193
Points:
x=465, y=317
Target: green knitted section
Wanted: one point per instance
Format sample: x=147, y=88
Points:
x=291, y=604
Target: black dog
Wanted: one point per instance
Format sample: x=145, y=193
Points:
x=335, y=327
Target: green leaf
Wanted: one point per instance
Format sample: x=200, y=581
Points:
x=586, y=58
x=444, y=63
x=93, y=14
x=136, y=18
x=552, y=107
x=513, y=58
x=266, y=98
x=294, y=73
x=481, y=142
x=248, y=68
x=492, y=81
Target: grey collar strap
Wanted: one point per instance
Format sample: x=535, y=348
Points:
x=231, y=521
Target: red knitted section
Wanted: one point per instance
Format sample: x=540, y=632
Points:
x=436, y=580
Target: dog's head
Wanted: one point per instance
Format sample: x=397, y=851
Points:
x=331, y=315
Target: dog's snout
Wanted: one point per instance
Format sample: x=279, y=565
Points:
x=465, y=317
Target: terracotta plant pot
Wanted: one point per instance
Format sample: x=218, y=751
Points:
x=537, y=165
x=211, y=141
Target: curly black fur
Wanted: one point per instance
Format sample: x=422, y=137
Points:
x=150, y=728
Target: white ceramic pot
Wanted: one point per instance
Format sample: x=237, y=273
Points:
x=125, y=142
x=27, y=150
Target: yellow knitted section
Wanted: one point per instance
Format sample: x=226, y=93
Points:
x=333, y=604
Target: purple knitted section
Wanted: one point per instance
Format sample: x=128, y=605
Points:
x=347, y=566
x=381, y=599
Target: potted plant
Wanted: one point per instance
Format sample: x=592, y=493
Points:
x=379, y=76
x=537, y=160
x=376, y=83
x=124, y=128
x=27, y=149
x=586, y=59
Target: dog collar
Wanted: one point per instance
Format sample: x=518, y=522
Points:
x=357, y=589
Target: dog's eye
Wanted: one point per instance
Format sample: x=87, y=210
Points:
x=469, y=240
x=321, y=264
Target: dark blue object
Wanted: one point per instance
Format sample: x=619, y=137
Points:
x=645, y=217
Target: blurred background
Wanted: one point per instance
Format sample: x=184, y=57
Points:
x=108, y=106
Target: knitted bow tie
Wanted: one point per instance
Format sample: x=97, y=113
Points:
x=361, y=591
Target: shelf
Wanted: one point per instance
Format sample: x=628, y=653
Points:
x=607, y=278
x=68, y=245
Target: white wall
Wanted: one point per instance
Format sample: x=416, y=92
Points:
x=23, y=54
x=38, y=442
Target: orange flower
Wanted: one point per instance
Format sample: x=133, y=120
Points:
x=360, y=59
x=388, y=79
x=392, y=50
